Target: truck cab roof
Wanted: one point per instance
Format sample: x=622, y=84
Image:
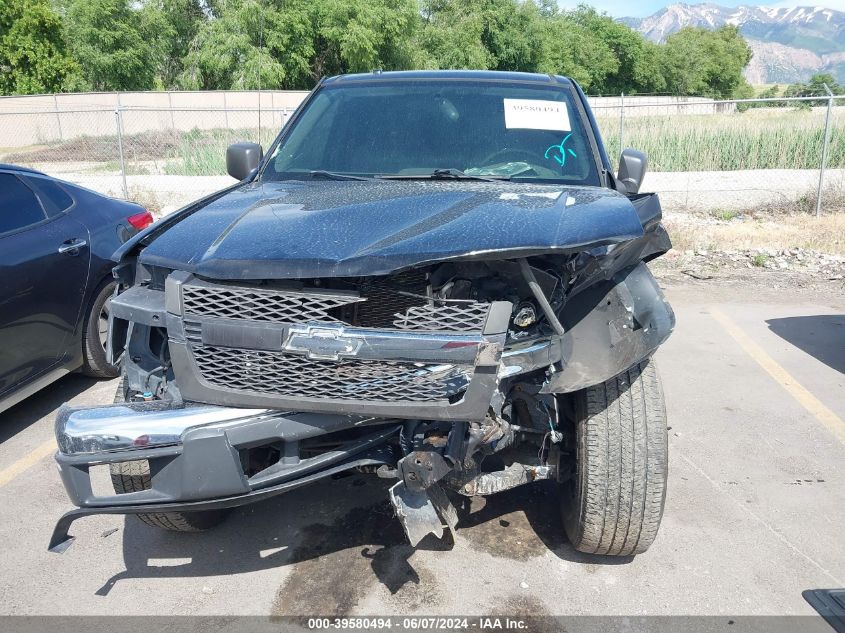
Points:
x=450, y=75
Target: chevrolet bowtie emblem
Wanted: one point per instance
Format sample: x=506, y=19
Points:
x=321, y=343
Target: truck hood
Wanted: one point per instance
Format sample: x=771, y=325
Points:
x=296, y=229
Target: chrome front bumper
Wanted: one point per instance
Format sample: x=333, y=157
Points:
x=194, y=455
x=133, y=427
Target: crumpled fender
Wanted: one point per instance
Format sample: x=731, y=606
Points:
x=610, y=326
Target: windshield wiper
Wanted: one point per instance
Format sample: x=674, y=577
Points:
x=330, y=175
x=442, y=174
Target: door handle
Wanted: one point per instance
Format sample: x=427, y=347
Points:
x=71, y=246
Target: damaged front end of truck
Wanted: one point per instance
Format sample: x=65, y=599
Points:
x=235, y=391
x=454, y=332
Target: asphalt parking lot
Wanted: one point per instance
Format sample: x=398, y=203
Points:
x=755, y=390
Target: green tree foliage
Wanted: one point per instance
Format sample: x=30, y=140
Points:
x=295, y=42
x=815, y=87
x=228, y=51
x=709, y=63
x=183, y=20
x=483, y=34
x=570, y=49
x=119, y=46
x=33, y=56
x=225, y=44
x=451, y=36
x=635, y=63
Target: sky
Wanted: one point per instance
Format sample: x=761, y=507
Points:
x=626, y=8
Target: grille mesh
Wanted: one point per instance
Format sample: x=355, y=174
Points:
x=286, y=375
x=383, y=309
x=259, y=305
x=460, y=317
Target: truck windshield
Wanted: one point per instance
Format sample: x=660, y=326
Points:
x=438, y=129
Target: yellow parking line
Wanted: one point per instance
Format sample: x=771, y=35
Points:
x=806, y=399
x=27, y=461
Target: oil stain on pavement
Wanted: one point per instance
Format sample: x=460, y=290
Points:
x=338, y=564
x=518, y=524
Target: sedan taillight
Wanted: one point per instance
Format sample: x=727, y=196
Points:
x=140, y=220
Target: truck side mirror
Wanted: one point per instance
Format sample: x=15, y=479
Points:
x=242, y=159
x=632, y=168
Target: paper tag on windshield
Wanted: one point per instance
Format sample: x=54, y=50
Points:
x=534, y=114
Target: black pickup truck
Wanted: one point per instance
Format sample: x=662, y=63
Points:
x=432, y=277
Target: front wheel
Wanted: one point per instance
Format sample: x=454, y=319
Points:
x=613, y=504
x=135, y=475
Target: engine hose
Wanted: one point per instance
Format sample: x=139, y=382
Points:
x=540, y=296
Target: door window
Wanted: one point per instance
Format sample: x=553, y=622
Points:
x=19, y=207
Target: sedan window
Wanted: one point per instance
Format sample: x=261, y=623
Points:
x=19, y=207
x=54, y=198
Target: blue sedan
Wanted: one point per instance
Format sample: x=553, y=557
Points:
x=56, y=243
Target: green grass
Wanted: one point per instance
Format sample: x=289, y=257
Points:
x=725, y=214
x=757, y=139
x=759, y=260
x=203, y=152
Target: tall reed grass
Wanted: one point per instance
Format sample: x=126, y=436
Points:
x=756, y=139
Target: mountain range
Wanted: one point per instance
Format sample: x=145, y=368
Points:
x=789, y=44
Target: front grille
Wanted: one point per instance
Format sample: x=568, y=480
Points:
x=379, y=306
x=386, y=297
x=295, y=376
x=452, y=317
x=261, y=305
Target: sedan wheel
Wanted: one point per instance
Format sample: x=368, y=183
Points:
x=104, y=323
x=95, y=335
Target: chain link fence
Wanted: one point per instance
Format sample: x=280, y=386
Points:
x=736, y=156
x=161, y=157
x=704, y=156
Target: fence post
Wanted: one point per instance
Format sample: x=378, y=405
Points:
x=170, y=104
x=825, y=145
x=118, y=117
x=58, y=118
x=621, y=122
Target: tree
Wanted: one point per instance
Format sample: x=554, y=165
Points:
x=485, y=34
x=183, y=20
x=295, y=42
x=636, y=66
x=815, y=87
x=244, y=44
x=33, y=56
x=226, y=52
x=450, y=36
x=360, y=35
x=570, y=49
x=710, y=63
x=120, y=46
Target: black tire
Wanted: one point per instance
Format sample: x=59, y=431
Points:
x=94, y=361
x=614, y=503
x=135, y=475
